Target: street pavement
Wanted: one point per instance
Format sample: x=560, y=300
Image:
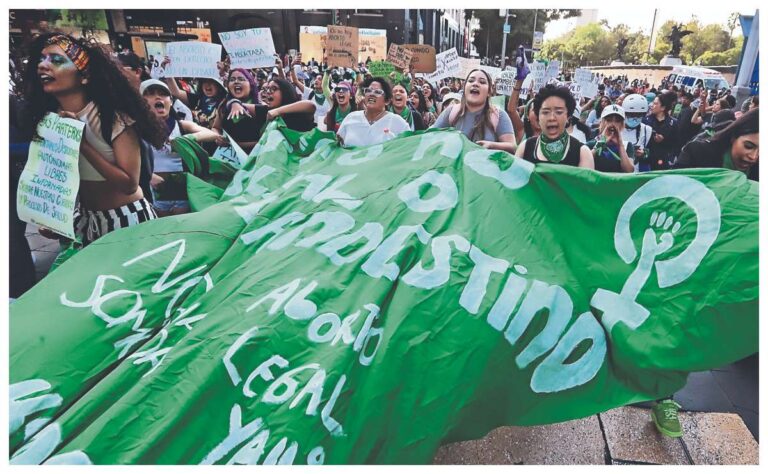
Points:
x=719, y=416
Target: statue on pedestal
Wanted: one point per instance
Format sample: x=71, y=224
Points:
x=675, y=37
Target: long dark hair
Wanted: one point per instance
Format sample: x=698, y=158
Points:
x=287, y=91
x=107, y=87
x=422, y=108
x=744, y=125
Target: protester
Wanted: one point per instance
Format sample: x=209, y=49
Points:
x=736, y=147
x=374, y=124
x=419, y=103
x=593, y=120
x=432, y=100
x=663, y=146
x=481, y=122
x=79, y=80
x=204, y=105
x=281, y=100
x=242, y=128
x=342, y=106
x=552, y=107
x=400, y=107
x=577, y=129
x=686, y=128
x=636, y=134
x=168, y=179
x=609, y=152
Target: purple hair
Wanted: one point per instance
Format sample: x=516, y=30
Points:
x=249, y=77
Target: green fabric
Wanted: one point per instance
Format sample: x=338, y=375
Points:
x=197, y=162
x=728, y=163
x=406, y=114
x=367, y=305
x=554, y=149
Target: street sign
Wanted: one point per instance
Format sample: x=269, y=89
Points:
x=507, y=28
x=538, y=40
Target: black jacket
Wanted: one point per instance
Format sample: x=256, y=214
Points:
x=708, y=154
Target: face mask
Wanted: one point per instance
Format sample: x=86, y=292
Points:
x=634, y=122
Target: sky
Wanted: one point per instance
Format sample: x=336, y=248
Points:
x=643, y=18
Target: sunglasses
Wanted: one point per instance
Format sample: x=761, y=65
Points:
x=341, y=90
x=376, y=92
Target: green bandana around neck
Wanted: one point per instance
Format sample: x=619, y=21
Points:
x=319, y=98
x=406, y=114
x=728, y=163
x=554, y=150
x=340, y=115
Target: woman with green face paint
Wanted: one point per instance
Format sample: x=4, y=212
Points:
x=79, y=80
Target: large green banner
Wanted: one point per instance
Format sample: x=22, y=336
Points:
x=365, y=305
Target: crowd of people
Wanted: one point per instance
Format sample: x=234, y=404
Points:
x=130, y=172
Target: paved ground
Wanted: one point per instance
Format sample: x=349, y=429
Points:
x=720, y=421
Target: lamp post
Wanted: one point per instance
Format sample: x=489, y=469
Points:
x=504, y=39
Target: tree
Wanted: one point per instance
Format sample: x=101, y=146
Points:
x=490, y=35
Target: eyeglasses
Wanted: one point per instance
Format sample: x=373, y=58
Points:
x=376, y=92
x=555, y=112
x=269, y=89
x=341, y=90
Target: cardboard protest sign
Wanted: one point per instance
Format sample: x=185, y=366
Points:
x=505, y=82
x=232, y=154
x=447, y=65
x=251, y=48
x=467, y=65
x=275, y=324
x=423, y=59
x=399, y=56
x=373, y=44
x=575, y=89
x=312, y=42
x=342, y=46
x=491, y=70
x=49, y=183
x=192, y=59
x=380, y=68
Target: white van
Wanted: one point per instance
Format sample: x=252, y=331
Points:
x=690, y=77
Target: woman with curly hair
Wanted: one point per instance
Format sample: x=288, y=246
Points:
x=419, y=103
x=242, y=128
x=78, y=79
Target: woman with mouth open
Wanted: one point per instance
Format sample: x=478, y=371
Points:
x=342, y=106
x=373, y=124
x=168, y=178
x=481, y=122
x=401, y=107
x=552, y=107
x=281, y=100
x=241, y=128
x=610, y=152
x=79, y=80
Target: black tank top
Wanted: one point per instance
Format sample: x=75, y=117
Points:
x=571, y=158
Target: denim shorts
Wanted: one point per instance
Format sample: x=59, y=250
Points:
x=168, y=206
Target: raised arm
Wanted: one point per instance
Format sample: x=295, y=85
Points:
x=176, y=91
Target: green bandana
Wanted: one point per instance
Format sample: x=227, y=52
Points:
x=319, y=98
x=239, y=117
x=406, y=114
x=728, y=163
x=341, y=115
x=554, y=150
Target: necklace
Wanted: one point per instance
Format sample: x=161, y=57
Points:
x=371, y=122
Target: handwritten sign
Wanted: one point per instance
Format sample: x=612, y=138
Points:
x=538, y=75
x=232, y=154
x=380, y=68
x=50, y=180
x=553, y=70
x=193, y=59
x=587, y=82
x=492, y=71
x=423, y=59
x=342, y=46
x=373, y=44
x=399, y=56
x=575, y=89
x=312, y=42
x=467, y=65
x=505, y=82
x=447, y=65
x=249, y=48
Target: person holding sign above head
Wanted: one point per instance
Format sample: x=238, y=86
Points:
x=374, y=124
x=400, y=107
x=205, y=103
x=242, y=128
x=168, y=180
x=475, y=116
x=79, y=80
x=552, y=107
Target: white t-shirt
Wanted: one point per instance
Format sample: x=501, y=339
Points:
x=637, y=136
x=320, y=110
x=356, y=131
x=578, y=135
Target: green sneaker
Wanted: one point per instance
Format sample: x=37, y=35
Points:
x=664, y=416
